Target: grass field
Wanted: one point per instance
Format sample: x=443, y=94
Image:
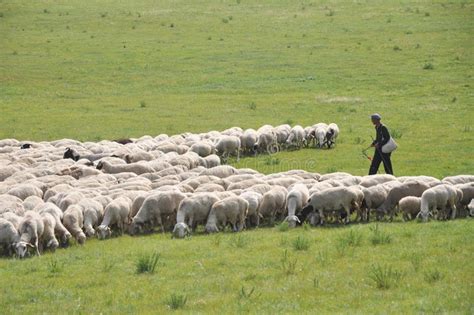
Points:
x=92, y=70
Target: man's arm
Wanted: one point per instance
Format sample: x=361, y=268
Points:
x=385, y=136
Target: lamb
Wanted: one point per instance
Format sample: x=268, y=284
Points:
x=296, y=137
x=410, y=207
x=231, y=210
x=9, y=236
x=31, y=230
x=116, y=216
x=253, y=216
x=295, y=201
x=73, y=221
x=192, y=211
x=227, y=145
x=334, y=199
x=438, y=198
x=156, y=208
x=137, y=168
x=273, y=203
x=409, y=188
x=93, y=212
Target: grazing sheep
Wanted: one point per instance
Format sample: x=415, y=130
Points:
x=49, y=238
x=295, y=200
x=331, y=135
x=248, y=140
x=372, y=180
x=158, y=207
x=31, y=230
x=409, y=188
x=12, y=218
x=192, y=211
x=374, y=197
x=273, y=203
x=73, y=221
x=333, y=200
x=467, y=195
x=228, y=145
x=296, y=137
x=9, y=236
x=93, y=212
x=438, y=198
x=253, y=214
x=267, y=140
x=410, y=207
x=230, y=210
x=471, y=208
x=319, y=134
x=116, y=216
x=60, y=229
x=32, y=202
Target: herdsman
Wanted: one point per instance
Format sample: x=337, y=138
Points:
x=382, y=138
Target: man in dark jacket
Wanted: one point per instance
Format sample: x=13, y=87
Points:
x=383, y=136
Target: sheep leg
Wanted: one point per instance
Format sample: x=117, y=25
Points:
x=453, y=209
x=347, y=219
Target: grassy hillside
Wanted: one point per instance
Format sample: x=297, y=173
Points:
x=421, y=268
x=108, y=69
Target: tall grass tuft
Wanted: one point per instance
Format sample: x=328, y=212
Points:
x=147, y=263
x=283, y=227
x=432, y=276
x=378, y=237
x=287, y=264
x=176, y=301
x=301, y=243
x=384, y=277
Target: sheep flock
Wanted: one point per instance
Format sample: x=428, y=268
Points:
x=55, y=193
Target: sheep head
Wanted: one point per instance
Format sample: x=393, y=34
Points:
x=21, y=248
x=292, y=220
x=181, y=230
x=103, y=232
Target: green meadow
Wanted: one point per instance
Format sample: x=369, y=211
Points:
x=93, y=70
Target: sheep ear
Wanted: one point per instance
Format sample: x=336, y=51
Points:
x=30, y=245
x=297, y=219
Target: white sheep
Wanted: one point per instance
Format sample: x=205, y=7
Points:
x=116, y=217
x=253, y=214
x=333, y=200
x=438, y=198
x=73, y=221
x=273, y=203
x=331, y=134
x=49, y=238
x=296, y=137
x=9, y=236
x=31, y=230
x=156, y=208
x=60, y=229
x=231, y=210
x=296, y=199
x=137, y=168
x=93, y=212
x=192, y=211
x=228, y=145
x=248, y=140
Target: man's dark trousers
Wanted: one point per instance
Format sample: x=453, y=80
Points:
x=378, y=158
